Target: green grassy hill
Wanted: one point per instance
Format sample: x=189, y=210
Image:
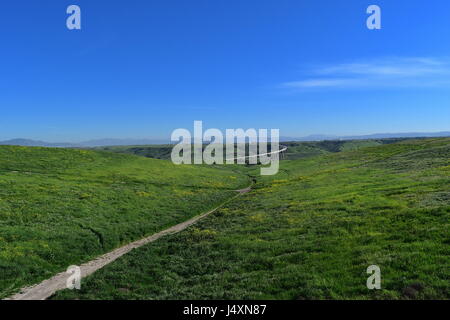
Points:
x=308, y=233
x=60, y=207
x=296, y=150
x=302, y=150
x=149, y=151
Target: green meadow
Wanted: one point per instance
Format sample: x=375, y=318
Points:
x=310, y=232
x=60, y=207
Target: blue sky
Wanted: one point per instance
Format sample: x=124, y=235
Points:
x=144, y=68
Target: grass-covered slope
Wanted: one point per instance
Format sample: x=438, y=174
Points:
x=296, y=150
x=60, y=207
x=308, y=233
x=302, y=150
x=149, y=151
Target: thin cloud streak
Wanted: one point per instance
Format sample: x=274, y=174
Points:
x=394, y=72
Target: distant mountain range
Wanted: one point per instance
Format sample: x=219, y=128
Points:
x=319, y=137
x=133, y=142
x=84, y=144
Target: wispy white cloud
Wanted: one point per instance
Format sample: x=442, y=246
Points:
x=393, y=72
x=314, y=83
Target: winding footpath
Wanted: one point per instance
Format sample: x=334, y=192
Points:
x=48, y=287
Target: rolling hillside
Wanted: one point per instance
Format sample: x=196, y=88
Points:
x=308, y=233
x=60, y=207
x=296, y=150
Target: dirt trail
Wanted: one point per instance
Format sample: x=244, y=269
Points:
x=48, y=287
